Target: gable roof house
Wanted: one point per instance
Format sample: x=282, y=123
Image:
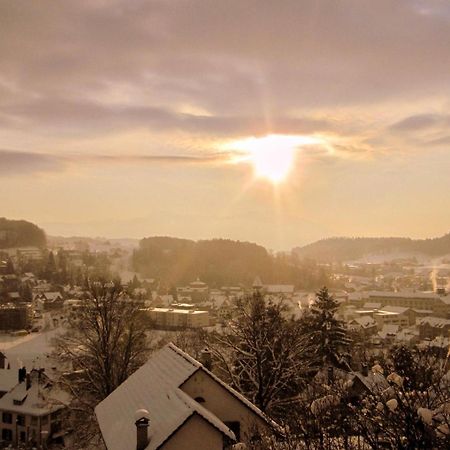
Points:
x=31, y=411
x=364, y=324
x=174, y=402
x=50, y=300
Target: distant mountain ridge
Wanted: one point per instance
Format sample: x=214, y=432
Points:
x=20, y=233
x=346, y=249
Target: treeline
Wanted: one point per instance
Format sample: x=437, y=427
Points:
x=221, y=262
x=20, y=233
x=344, y=249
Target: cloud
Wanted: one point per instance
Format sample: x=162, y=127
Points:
x=87, y=117
x=14, y=163
x=232, y=59
x=417, y=122
x=443, y=141
x=150, y=159
x=72, y=71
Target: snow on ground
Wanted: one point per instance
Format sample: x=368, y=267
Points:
x=386, y=257
x=28, y=349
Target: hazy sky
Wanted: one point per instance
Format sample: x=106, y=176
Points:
x=119, y=118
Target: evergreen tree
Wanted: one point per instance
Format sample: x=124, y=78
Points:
x=134, y=284
x=50, y=267
x=328, y=335
x=26, y=292
x=10, y=267
x=173, y=292
x=62, y=267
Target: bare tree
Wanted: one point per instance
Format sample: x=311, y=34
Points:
x=105, y=343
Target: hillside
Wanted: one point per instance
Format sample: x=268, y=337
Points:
x=346, y=249
x=219, y=262
x=20, y=233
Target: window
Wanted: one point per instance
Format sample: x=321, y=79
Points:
x=44, y=420
x=6, y=434
x=19, y=401
x=7, y=417
x=34, y=420
x=235, y=427
x=23, y=436
x=20, y=420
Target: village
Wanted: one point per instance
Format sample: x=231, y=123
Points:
x=395, y=303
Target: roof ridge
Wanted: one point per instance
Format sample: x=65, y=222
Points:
x=185, y=355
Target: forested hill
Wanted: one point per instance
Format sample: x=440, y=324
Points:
x=345, y=249
x=20, y=233
x=220, y=262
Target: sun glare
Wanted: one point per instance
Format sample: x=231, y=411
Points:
x=271, y=156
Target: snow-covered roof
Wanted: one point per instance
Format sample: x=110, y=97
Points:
x=8, y=379
x=364, y=321
x=372, y=305
x=388, y=330
x=402, y=294
x=279, y=288
x=40, y=399
x=395, y=309
x=436, y=322
x=373, y=380
x=198, y=284
x=155, y=387
x=178, y=311
x=355, y=296
x=428, y=312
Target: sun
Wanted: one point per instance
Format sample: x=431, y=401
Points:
x=271, y=156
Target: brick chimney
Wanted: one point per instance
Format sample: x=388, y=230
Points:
x=365, y=370
x=142, y=420
x=205, y=358
x=22, y=374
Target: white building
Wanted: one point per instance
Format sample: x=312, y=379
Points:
x=172, y=318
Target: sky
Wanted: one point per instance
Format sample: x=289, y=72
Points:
x=135, y=118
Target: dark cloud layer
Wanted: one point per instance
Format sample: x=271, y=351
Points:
x=248, y=63
x=16, y=163
x=418, y=122
x=87, y=116
x=76, y=70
